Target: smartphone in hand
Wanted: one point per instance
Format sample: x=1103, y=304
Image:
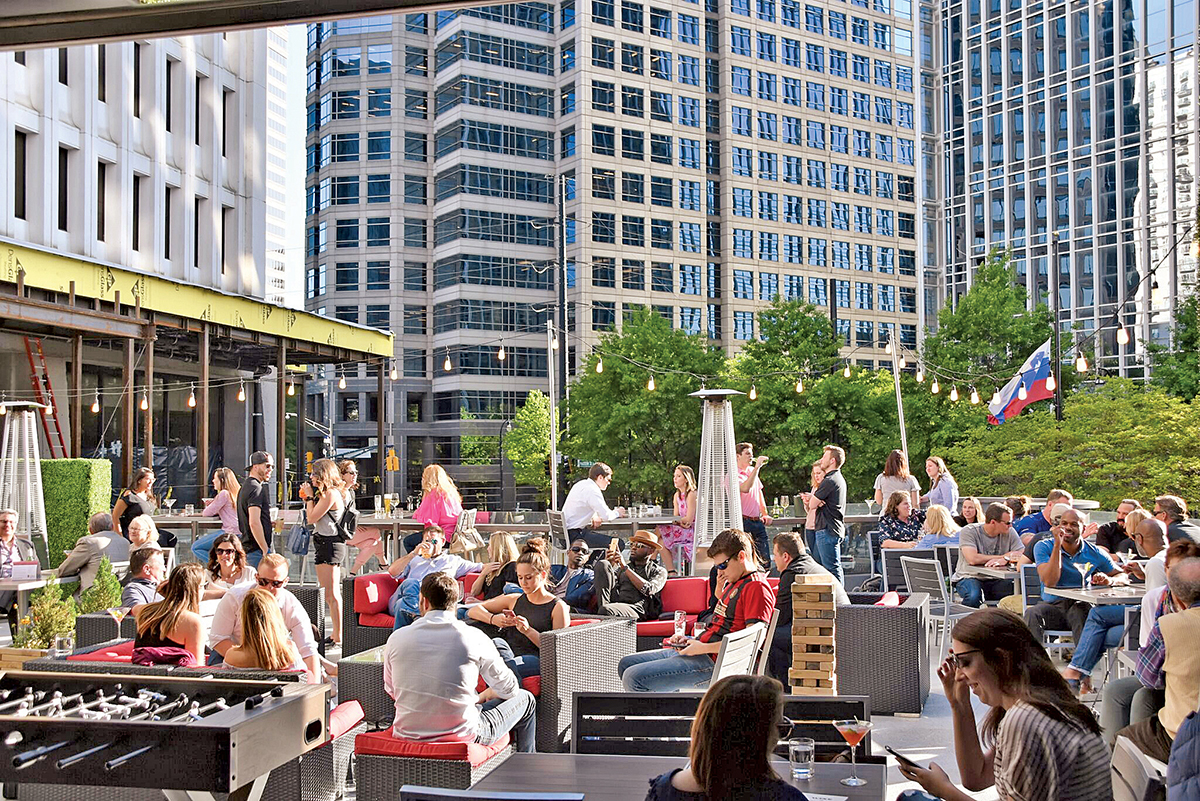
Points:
x=903, y=760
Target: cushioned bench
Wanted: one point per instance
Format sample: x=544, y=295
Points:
x=689, y=593
x=366, y=621
x=385, y=763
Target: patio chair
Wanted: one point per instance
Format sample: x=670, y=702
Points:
x=925, y=575
x=760, y=662
x=410, y=792
x=1031, y=595
x=739, y=649
x=1134, y=775
x=893, y=574
x=558, y=538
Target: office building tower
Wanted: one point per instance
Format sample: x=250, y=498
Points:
x=1067, y=134
x=709, y=156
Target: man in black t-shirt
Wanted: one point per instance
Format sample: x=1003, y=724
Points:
x=254, y=508
x=831, y=511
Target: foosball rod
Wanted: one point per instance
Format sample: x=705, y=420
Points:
x=66, y=762
x=161, y=709
x=33, y=755
x=30, y=696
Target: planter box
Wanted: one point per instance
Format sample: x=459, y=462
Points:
x=15, y=658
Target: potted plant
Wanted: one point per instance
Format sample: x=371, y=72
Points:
x=50, y=615
x=105, y=592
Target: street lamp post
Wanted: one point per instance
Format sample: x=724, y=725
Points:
x=504, y=429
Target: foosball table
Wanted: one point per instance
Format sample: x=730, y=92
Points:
x=186, y=738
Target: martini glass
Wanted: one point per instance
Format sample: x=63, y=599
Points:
x=168, y=502
x=1084, y=569
x=853, y=732
x=118, y=613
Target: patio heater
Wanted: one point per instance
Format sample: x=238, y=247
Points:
x=719, y=503
x=21, y=473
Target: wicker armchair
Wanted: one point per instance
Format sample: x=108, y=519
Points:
x=883, y=652
x=357, y=637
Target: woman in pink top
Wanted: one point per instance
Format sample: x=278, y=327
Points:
x=224, y=505
x=440, y=504
x=682, y=530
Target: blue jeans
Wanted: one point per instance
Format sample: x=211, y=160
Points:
x=762, y=548
x=1100, y=621
x=829, y=553
x=516, y=715
x=973, y=590
x=523, y=666
x=202, y=546
x=253, y=558
x=664, y=671
x=403, y=603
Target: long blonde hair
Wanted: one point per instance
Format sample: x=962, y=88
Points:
x=1133, y=520
x=181, y=593
x=817, y=465
x=263, y=631
x=502, y=548
x=435, y=479
x=228, y=480
x=939, y=521
x=326, y=476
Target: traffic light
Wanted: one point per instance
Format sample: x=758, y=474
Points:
x=308, y=460
x=393, y=461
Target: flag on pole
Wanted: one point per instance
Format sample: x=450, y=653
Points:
x=1034, y=374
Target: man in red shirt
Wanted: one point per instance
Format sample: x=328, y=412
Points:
x=743, y=597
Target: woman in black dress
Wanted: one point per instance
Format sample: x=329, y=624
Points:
x=522, y=617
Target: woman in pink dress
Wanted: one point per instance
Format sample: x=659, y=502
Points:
x=682, y=530
x=440, y=504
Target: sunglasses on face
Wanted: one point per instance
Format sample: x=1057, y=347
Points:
x=222, y=551
x=274, y=583
x=724, y=564
x=578, y=549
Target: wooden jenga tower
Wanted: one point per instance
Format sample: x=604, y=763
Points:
x=814, y=664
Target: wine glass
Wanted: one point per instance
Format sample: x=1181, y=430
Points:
x=853, y=732
x=118, y=613
x=168, y=502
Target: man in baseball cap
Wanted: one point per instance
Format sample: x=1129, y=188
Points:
x=632, y=589
x=254, y=508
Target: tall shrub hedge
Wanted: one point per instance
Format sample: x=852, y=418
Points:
x=74, y=490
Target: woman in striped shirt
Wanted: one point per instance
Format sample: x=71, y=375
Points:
x=1040, y=741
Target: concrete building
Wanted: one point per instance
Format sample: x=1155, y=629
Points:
x=709, y=158
x=1067, y=133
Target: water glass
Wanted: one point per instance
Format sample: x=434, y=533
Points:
x=378, y=505
x=64, y=644
x=801, y=752
x=189, y=509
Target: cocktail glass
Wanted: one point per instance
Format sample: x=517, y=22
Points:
x=853, y=732
x=168, y=502
x=1084, y=569
x=118, y=613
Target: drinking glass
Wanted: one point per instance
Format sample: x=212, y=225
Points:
x=64, y=644
x=168, y=502
x=853, y=732
x=800, y=754
x=387, y=503
x=118, y=613
x=378, y=505
x=1084, y=569
x=189, y=509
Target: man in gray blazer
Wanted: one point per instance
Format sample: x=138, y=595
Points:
x=101, y=541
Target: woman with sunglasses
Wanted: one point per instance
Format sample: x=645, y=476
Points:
x=324, y=505
x=227, y=566
x=734, y=734
x=1038, y=740
x=367, y=540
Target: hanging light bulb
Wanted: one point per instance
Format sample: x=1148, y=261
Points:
x=3, y=410
x=953, y=393
x=935, y=387
x=291, y=388
x=341, y=382
x=500, y=354
x=846, y=372
x=1122, y=336
x=554, y=344
x=96, y=403
x=145, y=404
x=599, y=365
x=974, y=396
x=49, y=410
x=241, y=396
x=1081, y=364
x=1051, y=384
x=192, y=395
x=799, y=385
x=650, y=384
x=903, y=361
x=446, y=365
x=920, y=375
x=753, y=392
x=1022, y=393
x=995, y=397
x=394, y=373
x=887, y=348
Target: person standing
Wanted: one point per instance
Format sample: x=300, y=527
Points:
x=254, y=508
x=896, y=478
x=792, y=559
x=441, y=505
x=366, y=540
x=324, y=497
x=223, y=505
x=829, y=500
x=584, y=508
x=631, y=589
x=754, y=506
x=943, y=489
x=682, y=530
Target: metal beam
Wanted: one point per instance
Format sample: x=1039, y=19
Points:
x=127, y=420
x=381, y=407
x=76, y=320
x=281, y=497
x=77, y=396
x=202, y=476
x=148, y=441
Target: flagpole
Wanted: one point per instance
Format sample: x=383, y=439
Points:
x=899, y=400
x=1056, y=354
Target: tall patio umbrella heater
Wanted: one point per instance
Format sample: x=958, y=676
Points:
x=21, y=474
x=719, y=503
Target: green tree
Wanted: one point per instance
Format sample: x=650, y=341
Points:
x=613, y=417
x=989, y=329
x=476, y=448
x=1178, y=371
x=527, y=446
x=1119, y=439
x=105, y=592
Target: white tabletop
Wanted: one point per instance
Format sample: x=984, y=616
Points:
x=1119, y=594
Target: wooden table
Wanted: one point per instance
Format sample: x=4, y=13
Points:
x=1120, y=594
x=25, y=587
x=624, y=778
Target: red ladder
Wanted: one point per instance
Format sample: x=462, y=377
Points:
x=44, y=393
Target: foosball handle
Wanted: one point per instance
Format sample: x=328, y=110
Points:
x=258, y=700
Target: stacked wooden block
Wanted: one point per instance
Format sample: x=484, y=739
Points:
x=814, y=664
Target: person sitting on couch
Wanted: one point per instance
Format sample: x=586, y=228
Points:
x=428, y=557
x=634, y=588
x=100, y=541
x=573, y=582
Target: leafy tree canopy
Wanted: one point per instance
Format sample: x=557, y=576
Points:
x=1178, y=372
x=527, y=446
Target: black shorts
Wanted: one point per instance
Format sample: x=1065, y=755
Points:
x=328, y=550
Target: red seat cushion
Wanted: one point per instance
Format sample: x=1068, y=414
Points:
x=381, y=620
x=689, y=593
x=371, y=593
x=121, y=652
x=466, y=583
x=663, y=628
x=344, y=717
x=579, y=621
x=382, y=743
x=889, y=599
x=533, y=684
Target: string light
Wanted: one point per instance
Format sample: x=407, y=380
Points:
x=192, y=396
x=1081, y=364
x=394, y=374
x=753, y=392
x=799, y=385
x=3, y=410
x=1022, y=393
x=888, y=347
x=341, y=384
x=446, y=365
x=650, y=384
x=291, y=388
x=953, y=393
x=995, y=397
x=920, y=375
x=1051, y=384
x=145, y=404
x=500, y=354
x=96, y=403
x=903, y=361
x=1122, y=336
x=241, y=396
x=846, y=372
x=49, y=410
x=974, y=396
x=935, y=387
x=599, y=366
x=554, y=344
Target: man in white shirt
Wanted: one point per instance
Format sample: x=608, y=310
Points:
x=432, y=667
x=1150, y=538
x=585, y=507
x=428, y=557
x=226, y=629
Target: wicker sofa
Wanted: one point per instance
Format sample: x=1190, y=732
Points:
x=883, y=652
x=366, y=621
x=580, y=658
